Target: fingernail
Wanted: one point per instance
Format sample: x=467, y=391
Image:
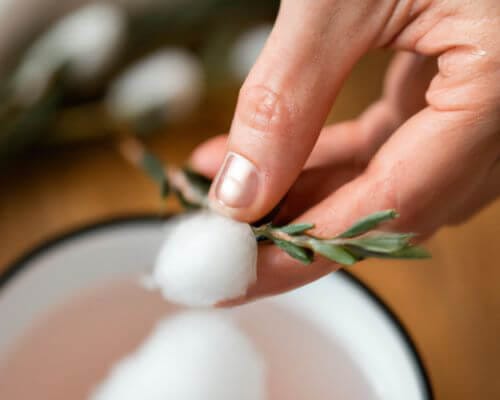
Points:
x=237, y=183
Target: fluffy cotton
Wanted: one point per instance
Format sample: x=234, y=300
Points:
x=194, y=356
x=246, y=49
x=206, y=258
x=170, y=80
x=88, y=40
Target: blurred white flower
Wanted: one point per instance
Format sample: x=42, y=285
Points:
x=171, y=80
x=87, y=40
x=246, y=49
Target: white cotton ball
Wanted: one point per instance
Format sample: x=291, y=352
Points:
x=206, y=258
x=194, y=356
x=246, y=49
x=170, y=80
x=87, y=39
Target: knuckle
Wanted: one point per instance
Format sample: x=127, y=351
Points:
x=381, y=189
x=467, y=80
x=386, y=188
x=263, y=110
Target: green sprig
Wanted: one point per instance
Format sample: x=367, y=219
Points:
x=361, y=240
x=346, y=249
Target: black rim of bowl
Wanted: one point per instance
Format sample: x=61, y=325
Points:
x=18, y=265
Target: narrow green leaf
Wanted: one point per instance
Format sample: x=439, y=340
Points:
x=359, y=252
x=334, y=252
x=413, y=252
x=410, y=252
x=297, y=252
x=296, y=229
x=154, y=168
x=384, y=242
x=368, y=223
x=198, y=181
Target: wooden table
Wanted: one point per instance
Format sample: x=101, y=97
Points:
x=450, y=304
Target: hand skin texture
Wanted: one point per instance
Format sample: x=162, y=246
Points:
x=429, y=148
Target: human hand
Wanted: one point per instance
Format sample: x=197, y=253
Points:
x=429, y=148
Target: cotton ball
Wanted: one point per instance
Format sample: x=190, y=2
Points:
x=87, y=40
x=193, y=356
x=206, y=258
x=246, y=49
x=169, y=80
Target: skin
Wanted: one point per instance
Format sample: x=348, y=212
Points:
x=429, y=148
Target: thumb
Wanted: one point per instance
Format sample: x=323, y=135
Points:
x=285, y=100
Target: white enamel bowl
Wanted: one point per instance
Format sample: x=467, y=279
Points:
x=330, y=340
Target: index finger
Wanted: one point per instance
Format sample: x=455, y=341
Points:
x=286, y=98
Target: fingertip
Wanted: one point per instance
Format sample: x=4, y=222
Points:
x=235, y=190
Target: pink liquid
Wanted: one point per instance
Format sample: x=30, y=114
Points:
x=69, y=350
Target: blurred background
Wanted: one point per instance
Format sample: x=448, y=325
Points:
x=75, y=76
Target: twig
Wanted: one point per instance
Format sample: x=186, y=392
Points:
x=360, y=241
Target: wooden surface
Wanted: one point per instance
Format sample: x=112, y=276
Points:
x=450, y=304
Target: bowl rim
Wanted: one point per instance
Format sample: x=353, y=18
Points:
x=17, y=266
